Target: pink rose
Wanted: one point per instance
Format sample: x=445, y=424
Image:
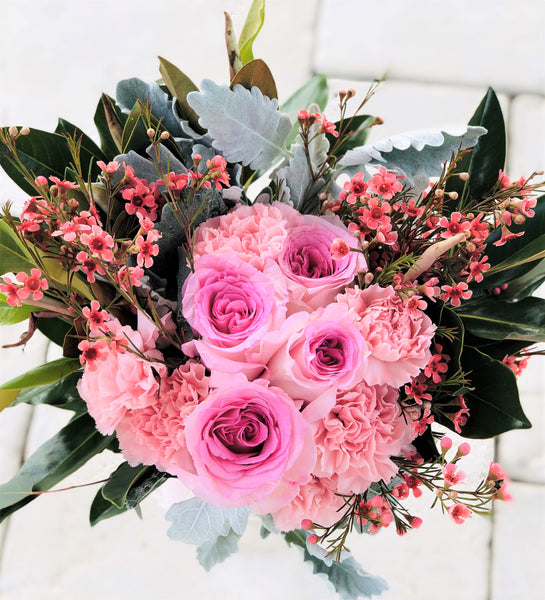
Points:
x=356, y=440
x=324, y=352
x=314, y=277
x=237, y=312
x=398, y=337
x=249, y=445
x=122, y=380
x=254, y=233
x=154, y=435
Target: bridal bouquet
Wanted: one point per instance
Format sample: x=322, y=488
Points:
x=252, y=299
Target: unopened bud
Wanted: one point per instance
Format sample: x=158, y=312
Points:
x=377, y=121
x=151, y=133
x=439, y=193
x=464, y=176
x=368, y=278
x=519, y=219
x=471, y=247
x=13, y=131
x=306, y=524
x=25, y=130
x=312, y=538
x=165, y=135
x=453, y=195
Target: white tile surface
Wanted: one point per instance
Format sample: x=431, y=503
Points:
x=464, y=43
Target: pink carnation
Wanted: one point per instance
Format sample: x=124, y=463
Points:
x=123, y=380
x=324, y=352
x=316, y=501
x=254, y=233
x=154, y=435
x=399, y=338
x=237, y=312
x=356, y=440
x=248, y=445
x=314, y=277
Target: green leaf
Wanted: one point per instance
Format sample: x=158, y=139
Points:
x=13, y=255
x=494, y=405
x=9, y=315
x=43, y=375
x=502, y=320
x=315, y=91
x=349, y=579
x=60, y=456
x=179, y=85
x=42, y=153
x=129, y=490
x=252, y=26
x=54, y=329
x=356, y=134
x=107, y=142
x=257, y=73
x=527, y=284
x=62, y=394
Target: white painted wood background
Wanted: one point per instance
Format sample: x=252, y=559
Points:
x=56, y=57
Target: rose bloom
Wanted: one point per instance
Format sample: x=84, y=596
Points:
x=399, y=339
x=123, y=380
x=324, y=352
x=254, y=233
x=314, y=277
x=316, y=501
x=154, y=435
x=357, y=438
x=248, y=445
x=237, y=311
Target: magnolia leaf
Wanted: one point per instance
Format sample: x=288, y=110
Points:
x=62, y=394
x=109, y=121
x=356, y=131
x=349, y=579
x=212, y=553
x=128, y=92
x=197, y=522
x=13, y=255
x=494, y=405
x=252, y=26
x=502, y=320
x=9, y=315
x=60, y=456
x=179, y=85
x=256, y=73
x=245, y=125
x=414, y=154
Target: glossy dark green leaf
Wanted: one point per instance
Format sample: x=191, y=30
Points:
x=127, y=487
x=484, y=163
x=356, y=133
x=108, y=145
x=494, y=405
x=502, y=320
x=527, y=284
x=60, y=456
x=9, y=315
x=62, y=394
x=42, y=153
x=43, y=374
x=134, y=133
x=89, y=151
x=54, y=329
x=13, y=255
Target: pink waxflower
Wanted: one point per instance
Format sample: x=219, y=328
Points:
x=456, y=293
x=11, y=290
x=452, y=475
x=176, y=182
x=358, y=437
x=339, y=249
x=217, y=171
x=459, y=513
x=99, y=242
x=141, y=198
x=375, y=216
x=254, y=233
x=109, y=168
x=92, y=353
x=89, y=266
x=95, y=317
x=313, y=277
x=476, y=268
x=355, y=189
x=454, y=226
x=385, y=184
x=316, y=502
x=154, y=434
x=237, y=311
x=146, y=250
x=247, y=444
x=31, y=284
x=398, y=338
x=375, y=514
